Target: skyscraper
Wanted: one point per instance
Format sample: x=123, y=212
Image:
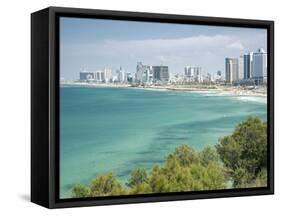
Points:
x=231, y=70
x=108, y=74
x=147, y=76
x=241, y=67
x=193, y=74
x=144, y=73
x=160, y=73
x=187, y=72
x=98, y=75
x=248, y=65
x=197, y=71
x=121, y=76
x=139, y=72
x=260, y=65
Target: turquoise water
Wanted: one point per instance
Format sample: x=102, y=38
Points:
x=118, y=129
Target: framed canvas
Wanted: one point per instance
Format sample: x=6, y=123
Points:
x=132, y=107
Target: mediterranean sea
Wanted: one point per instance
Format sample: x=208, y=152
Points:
x=118, y=129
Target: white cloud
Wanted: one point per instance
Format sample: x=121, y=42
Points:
x=208, y=51
x=236, y=45
x=163, y=46
x=159, y=45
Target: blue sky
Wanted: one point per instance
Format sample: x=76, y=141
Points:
x=92, y=44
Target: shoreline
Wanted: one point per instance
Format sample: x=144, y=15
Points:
x=224, y=90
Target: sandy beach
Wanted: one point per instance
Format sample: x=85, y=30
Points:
x=220, y=89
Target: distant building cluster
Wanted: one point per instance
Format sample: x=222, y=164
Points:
x=145, y=74
x=151, y=74
x=193, y=74
x=248, y=69
x=121, y=76
x=104, y=75
x=251, y=68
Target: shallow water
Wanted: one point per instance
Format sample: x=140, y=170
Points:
x=118, y=129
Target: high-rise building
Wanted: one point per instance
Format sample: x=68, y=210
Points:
x=139, y=72
x=241, y=68
x=121, y=75
x=86, y=75
x=97, y=76
x=193, y=74
x=260, y=65
x=187, y=72
x=231, y=70
x=218, y=76
x=108, y=74
x=102, y=76
x=197, y=71
x=144, y=73
x=130, y=78
x=147, y=76
x=160, y=73
x=208, y=78
x=248, y=65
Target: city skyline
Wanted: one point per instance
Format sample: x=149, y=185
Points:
x=250, y=67
x=91, y=44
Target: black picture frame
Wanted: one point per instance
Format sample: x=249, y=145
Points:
x=45, y=106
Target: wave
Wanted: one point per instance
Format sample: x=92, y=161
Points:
x=218, y=94
x=244, y=98
x=257, y=99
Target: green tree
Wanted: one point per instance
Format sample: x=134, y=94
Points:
x=106, y=185
x=142, y=188
x=158, y=180
x=261, y=179
x=244, y=152
x=138, y=176
x=230, y=152
x=188, y=170
x=214, y=177
x=185, y=155
x=209, y=155
x=79, y=191
x=252, y=136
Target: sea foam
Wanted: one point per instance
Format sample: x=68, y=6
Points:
x=252, y=99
